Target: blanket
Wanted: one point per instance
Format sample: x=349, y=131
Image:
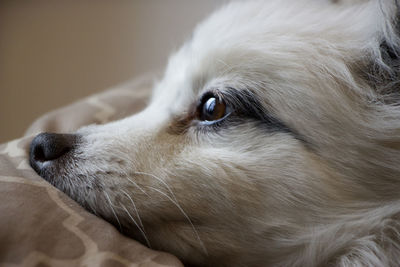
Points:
x=40, y=225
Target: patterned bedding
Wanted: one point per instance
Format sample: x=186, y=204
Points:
x=41, y=226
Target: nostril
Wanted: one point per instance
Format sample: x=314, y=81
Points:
x=50, y=146
x=38, y=154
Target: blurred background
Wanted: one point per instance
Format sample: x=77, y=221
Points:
x=53, y=52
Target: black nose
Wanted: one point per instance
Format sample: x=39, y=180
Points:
x=46, y=147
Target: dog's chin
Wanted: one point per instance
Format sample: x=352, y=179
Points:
x=51, y=171
x=55, y=173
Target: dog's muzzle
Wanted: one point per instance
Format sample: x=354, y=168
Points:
x=47, y=148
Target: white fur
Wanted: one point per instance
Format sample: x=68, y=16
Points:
x=246, y=196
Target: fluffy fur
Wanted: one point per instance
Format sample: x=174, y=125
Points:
x=319, y=188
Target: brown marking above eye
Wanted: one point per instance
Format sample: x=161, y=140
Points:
x=198, y=111
x=182, y=122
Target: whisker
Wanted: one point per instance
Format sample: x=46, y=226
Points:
x=92, y=208
x=112, y=209
x=161, y=180
x=135, y=184
x=186, y=216
x=134, y=206
x=140, y=229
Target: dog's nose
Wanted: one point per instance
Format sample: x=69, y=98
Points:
x=46, y=147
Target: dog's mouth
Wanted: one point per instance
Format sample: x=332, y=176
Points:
x=54, y=157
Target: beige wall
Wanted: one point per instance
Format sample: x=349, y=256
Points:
x=55, y=51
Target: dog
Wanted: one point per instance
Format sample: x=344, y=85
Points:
x=273, y=139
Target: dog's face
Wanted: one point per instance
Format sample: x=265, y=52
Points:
x=257, y=134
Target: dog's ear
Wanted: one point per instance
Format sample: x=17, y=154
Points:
x=384, y=72
x=390, y=45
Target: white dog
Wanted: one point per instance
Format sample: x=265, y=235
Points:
x=272, y=140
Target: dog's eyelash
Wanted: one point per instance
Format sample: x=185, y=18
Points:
x=244, y=104
x=214, y=125
x=241, y=103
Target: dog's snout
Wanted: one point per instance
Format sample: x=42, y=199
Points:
x=46, y=147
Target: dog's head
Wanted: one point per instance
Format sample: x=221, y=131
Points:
x=275, y=117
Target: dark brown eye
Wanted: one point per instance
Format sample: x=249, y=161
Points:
x=212, y=108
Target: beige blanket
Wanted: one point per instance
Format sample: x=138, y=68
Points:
x=41, y=226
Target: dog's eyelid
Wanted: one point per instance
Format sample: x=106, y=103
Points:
x=237, y=101
x=241, y=99
x=211, y=92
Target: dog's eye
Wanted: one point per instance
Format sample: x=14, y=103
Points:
x=212, y=108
